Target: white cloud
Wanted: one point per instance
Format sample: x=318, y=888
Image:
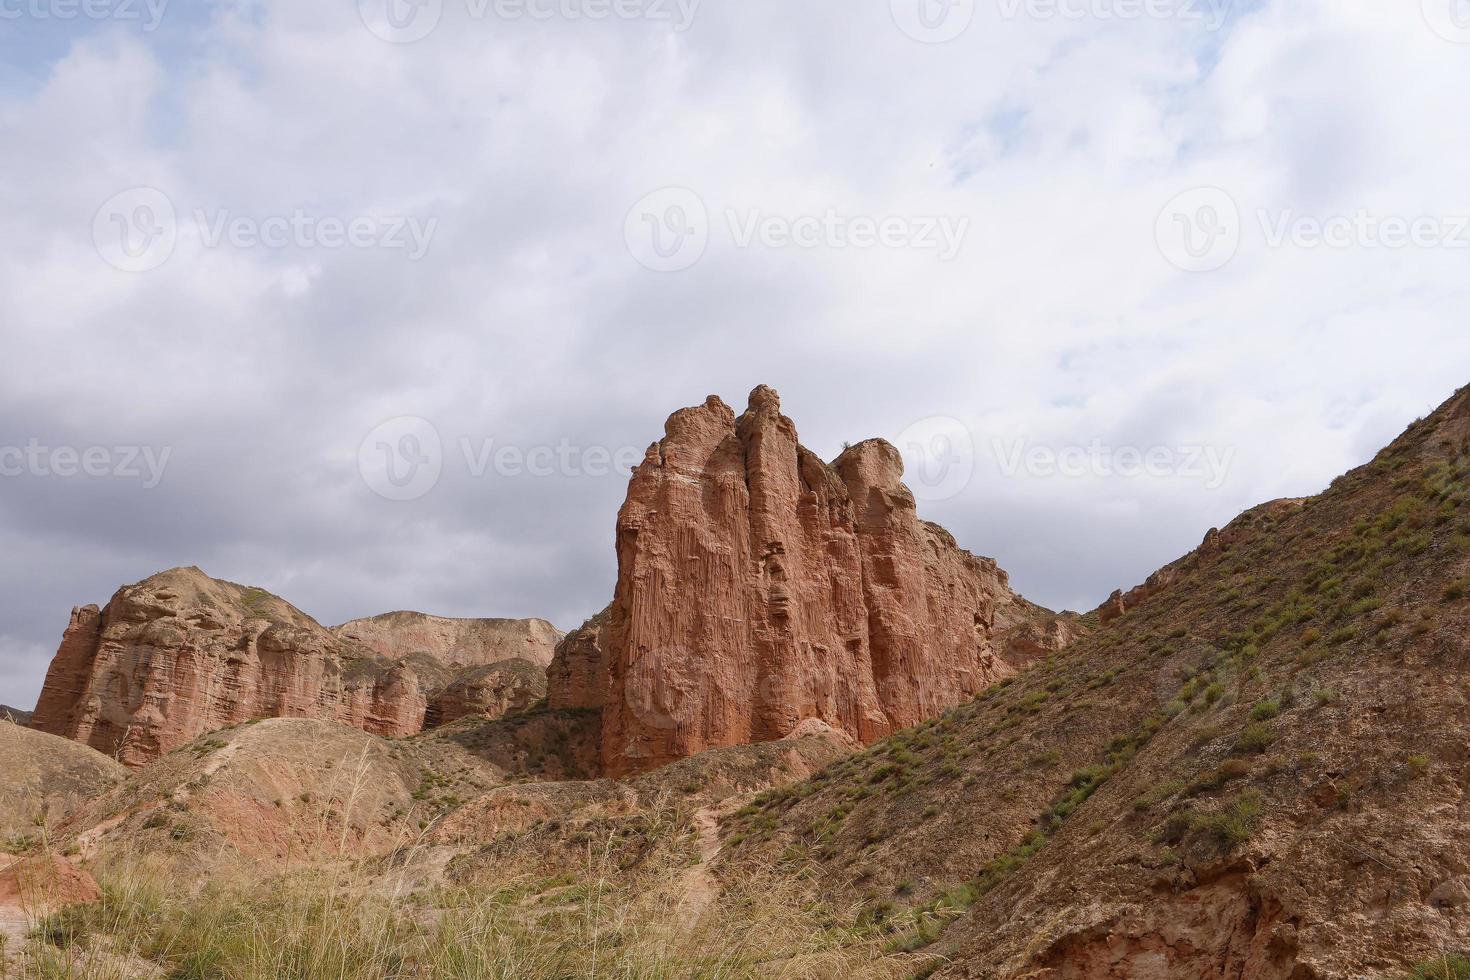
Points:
x=529, y=322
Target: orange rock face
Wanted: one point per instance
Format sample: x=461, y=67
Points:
x=578, y=677
x=490, y=691
x=759, y=587
x=456, y=642
x=182, y=654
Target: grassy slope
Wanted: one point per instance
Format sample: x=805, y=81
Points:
x=1261, y=766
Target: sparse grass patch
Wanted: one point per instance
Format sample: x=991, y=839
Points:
x=1265, y=710
x=1449, y=967
x=1255, y=738
x=1235, y=824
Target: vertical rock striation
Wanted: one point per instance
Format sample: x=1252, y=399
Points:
x=759, y=587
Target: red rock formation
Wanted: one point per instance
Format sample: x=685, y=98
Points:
x=456, y=642
x=182, y=654
x=578, y=677
x=759, y=587
x=490, y=691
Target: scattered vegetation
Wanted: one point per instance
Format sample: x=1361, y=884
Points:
x=1448, y=967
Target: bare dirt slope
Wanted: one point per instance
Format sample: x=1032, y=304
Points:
x=293, y=790
x=44, y=779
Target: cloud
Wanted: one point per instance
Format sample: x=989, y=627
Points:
x=528, y=322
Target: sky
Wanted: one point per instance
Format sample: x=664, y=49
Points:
x=373, y=303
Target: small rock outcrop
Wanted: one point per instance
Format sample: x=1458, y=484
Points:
x=491, y=691
x=578, y=676
x=760, y=587
x=1216, y=542
x=181, y=654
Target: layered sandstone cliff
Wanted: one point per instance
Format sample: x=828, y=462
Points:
x=455, y=642
x=488, y=691
x=578, y=675
x=759, y=587
x=182, y=654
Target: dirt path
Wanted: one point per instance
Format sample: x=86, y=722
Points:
x=699, y=889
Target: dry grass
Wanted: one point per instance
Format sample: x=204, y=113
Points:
x=365, y=924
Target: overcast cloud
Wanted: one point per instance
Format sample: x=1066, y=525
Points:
x=1083, y=259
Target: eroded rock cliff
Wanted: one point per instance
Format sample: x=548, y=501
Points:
x=455, y=642
x=489, y=691
x=181, y=654
x=759, y=587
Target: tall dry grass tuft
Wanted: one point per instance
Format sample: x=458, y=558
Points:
x=363, y=923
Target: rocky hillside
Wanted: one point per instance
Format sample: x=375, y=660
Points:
x=759, y=587
x=1256, y=770
x=181, y=654
x=290, y=790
